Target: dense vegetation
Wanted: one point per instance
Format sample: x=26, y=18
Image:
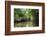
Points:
x=25, y=17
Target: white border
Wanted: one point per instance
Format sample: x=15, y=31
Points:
x=26, y=28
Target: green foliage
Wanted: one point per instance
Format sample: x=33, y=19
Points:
x=26, y=13
x=18, y=13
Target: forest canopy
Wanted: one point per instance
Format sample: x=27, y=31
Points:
x=25, y=13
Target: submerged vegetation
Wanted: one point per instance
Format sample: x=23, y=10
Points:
x=26, y=17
